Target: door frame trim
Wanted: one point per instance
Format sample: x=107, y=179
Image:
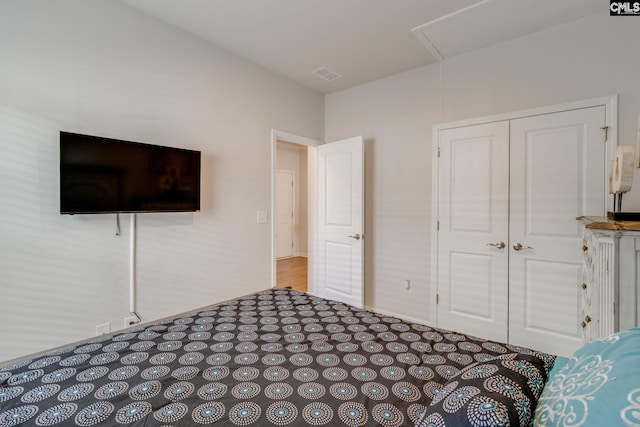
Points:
x=280, y=135
x=611, y=120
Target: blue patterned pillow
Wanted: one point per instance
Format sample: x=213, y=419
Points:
x=599, y=385
x=499, y=392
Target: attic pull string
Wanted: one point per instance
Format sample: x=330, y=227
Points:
x=441, y=83
x=117, y=224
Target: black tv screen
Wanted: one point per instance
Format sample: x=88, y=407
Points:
x=103, y=175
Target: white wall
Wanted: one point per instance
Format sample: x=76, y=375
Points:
x=586, y=59
x=103, y=68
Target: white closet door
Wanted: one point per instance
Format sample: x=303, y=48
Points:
x=557, y=173
x=473, y=213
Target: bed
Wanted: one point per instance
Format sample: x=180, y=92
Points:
x=280, y=357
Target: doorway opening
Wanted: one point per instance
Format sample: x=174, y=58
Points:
x=293, y=159
x=335, y=216
x=291, y=215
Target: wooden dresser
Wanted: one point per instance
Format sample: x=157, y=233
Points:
x=611, y=276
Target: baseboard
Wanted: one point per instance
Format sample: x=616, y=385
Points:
x=401, y=317
x=292, y=256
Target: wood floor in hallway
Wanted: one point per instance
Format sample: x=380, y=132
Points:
x=292, y=272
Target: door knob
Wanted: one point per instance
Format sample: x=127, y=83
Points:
x=499, y=245
x=357, y=236
x=520, y=247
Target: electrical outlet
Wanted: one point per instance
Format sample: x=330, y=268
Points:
x=407, y=286
x=130, y=321
x=103, y=328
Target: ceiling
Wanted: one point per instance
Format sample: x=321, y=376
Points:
x=360, y=40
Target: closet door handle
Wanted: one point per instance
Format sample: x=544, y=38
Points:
x=357, y=236
x=499, y=245
x=520, y=247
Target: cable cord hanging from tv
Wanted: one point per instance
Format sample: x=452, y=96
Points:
x=132, y=266
x=132, y=271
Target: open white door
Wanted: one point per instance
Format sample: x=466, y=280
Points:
x=340, y=216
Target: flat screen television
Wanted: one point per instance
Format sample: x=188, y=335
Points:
x=104, y=175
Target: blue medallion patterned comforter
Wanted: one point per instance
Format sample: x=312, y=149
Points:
x=598, y=386
x=276, y=358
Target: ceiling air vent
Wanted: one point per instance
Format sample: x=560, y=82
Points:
x=325, y=73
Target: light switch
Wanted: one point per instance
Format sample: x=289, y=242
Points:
x=262, y=217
